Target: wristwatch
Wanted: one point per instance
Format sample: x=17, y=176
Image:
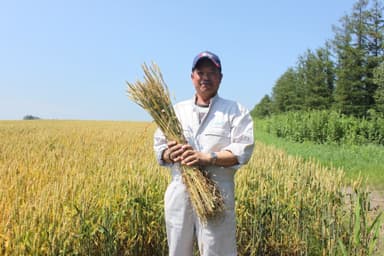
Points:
x=213, y=158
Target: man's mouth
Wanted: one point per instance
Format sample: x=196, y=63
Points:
x=206, y=83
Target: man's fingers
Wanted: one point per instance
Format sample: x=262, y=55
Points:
x=171, y=143
x=190, y=157
x=175, y=151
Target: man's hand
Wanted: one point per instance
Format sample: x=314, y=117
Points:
x=186, y=155
x=175, y=150
x=191, y=157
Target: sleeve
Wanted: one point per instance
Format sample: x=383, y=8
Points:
x=242, y=138
x=159, y=145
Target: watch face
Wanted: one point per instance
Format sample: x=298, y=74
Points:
x=213, y=157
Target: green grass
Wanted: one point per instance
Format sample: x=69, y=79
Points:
x=366, y=161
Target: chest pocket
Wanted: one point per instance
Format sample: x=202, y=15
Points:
x=216, y=138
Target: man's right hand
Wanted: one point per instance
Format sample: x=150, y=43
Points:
x=173, y=152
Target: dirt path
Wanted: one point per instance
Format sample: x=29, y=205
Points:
x=377, y=200
x=377, y=206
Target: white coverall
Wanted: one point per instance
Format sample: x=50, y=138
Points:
x=226, y=126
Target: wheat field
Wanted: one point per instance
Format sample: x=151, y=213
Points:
x=94, y=188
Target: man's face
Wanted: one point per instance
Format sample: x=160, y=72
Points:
x=206, y=78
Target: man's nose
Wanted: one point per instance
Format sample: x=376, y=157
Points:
x=206, y=75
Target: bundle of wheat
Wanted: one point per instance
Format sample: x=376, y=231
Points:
x=153, y=96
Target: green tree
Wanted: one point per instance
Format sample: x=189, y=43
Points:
x=375, y=49
x=375, y=29
x=287, y=94
x=263, y=109
x=350, y=94
x=379, y=94
x=359, y=48
x=317, y=76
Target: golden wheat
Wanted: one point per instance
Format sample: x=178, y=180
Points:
x=78, y=188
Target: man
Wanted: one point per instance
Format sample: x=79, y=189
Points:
x=219, y=135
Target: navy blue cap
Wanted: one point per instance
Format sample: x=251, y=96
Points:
x=209, y=55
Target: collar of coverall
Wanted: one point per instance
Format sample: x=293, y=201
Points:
x=211, y=101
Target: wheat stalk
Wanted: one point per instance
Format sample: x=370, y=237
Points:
x=152, y=95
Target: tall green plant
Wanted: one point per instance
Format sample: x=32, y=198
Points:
x=328, y=127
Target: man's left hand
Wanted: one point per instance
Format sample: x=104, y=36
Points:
x=191, y=157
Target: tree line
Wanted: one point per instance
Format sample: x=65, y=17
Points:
x=31, y=117
x=345, y=75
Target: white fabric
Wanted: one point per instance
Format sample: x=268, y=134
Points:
x=227, y=126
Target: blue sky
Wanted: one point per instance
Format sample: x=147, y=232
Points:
x=70, y=59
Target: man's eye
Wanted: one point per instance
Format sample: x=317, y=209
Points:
x=209, y=74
